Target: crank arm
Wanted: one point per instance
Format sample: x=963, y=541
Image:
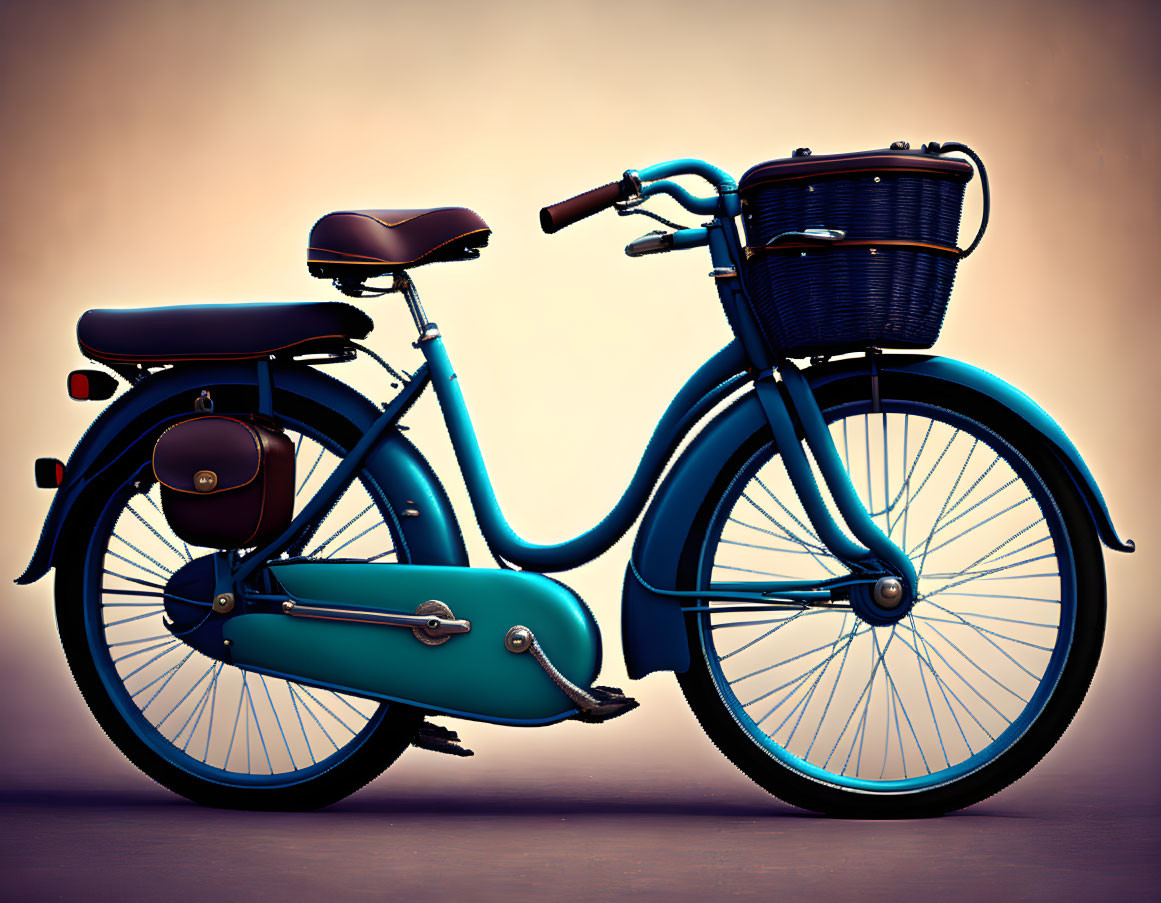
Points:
x=595, y=705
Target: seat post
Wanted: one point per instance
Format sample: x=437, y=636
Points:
x=403, y=284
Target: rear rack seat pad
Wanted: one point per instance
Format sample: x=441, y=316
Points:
x=198, y=332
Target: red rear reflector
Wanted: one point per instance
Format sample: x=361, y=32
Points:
x=49, y=473
x=91, y=385
x=78, y=385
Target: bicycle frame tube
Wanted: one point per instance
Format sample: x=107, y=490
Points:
x=719, y=377
x=338, y=481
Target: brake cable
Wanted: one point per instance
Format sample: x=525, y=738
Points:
x=630, y=211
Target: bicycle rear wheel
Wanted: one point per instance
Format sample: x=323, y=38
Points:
x=208, y=730
x=968, y=691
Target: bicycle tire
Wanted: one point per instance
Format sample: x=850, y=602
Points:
x=802, y=776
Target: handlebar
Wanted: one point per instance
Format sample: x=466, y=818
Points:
x=556, y=216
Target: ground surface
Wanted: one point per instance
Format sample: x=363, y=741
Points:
x=1053, y=837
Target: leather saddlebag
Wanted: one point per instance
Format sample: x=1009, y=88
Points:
x=225, y=484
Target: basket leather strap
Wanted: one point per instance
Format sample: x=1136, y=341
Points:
x=955, y=147
x=750, y=251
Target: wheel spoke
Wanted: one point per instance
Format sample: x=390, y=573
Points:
x=946, y=502
x=339, y=532
x=297, y=690
x=186, y=553
x=148, y=614
x=207, y=702
x=798, y=681
x=171, y=646
x=301, y=726
x=769, y=632
x=277, y=720
x=815, y=541
x=805, y=701
x=323, y=706
x=257, y=726
x=197, y=683
x=816, y=552
x=142, y=567
x=353, y=538
x=135, y=580
x=168, y=675
x=785, y=661
x=182, y=556
x=309, y=473
x=932, y=647
x=144, y=555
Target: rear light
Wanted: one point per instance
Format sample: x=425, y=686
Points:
x=49, y=472
x=91, y=385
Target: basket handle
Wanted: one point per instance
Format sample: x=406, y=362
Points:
x=953, y=147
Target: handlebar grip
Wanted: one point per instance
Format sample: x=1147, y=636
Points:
x=555, y=217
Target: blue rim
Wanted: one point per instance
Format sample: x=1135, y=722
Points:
x=1035, y=704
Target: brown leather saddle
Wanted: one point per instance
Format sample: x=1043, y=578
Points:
x=353, y=245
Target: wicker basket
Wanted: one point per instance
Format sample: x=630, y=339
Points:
x=886, y=282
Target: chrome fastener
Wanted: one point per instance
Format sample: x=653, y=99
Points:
x=888, y=592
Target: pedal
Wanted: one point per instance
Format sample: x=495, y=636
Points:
x=610, y=702
x=439, y=739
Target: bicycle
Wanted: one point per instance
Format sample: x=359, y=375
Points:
x=914, y=663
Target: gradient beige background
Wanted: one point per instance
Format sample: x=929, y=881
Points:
x=167, y=152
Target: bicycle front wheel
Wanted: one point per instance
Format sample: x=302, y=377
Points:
x=974, y=685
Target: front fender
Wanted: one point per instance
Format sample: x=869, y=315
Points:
x=140, y=414
x=653, y=627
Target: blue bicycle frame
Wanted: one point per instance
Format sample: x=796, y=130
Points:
x=788, y=406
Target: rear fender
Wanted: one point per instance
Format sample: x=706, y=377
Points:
x=653, y=627
x=138, y=416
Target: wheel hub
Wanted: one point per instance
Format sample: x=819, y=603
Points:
x=884, y=602
x=187, y=620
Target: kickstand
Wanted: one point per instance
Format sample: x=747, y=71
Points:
x=610, y=702
x=439, y=739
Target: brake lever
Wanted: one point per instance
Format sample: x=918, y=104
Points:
x=656, y=242
x=634, y=200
